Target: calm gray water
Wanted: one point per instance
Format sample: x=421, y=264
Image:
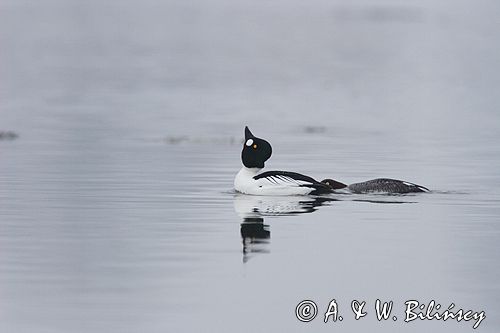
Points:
x=117, y=212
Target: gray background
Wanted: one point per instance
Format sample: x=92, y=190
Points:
x=117, y=212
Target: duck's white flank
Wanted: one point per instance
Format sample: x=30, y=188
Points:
x=273, y=185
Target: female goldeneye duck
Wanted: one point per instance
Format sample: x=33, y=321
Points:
x=257, y=151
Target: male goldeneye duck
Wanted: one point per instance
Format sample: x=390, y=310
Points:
x=257, y=151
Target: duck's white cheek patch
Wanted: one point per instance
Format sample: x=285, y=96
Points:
x=249, y=142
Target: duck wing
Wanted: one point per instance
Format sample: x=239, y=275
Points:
x=287, y=178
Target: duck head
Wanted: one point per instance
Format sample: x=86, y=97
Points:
x=255, y=151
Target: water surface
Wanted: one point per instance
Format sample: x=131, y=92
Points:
x=117, y=212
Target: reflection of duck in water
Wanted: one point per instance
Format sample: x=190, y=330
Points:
x=255, y=237
x=257, y=151
x=255, y=234
x=258, y=206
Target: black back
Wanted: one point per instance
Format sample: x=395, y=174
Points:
x=255, y=151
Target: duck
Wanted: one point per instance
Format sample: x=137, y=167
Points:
x=252, y=180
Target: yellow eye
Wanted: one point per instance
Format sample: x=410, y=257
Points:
x=254, y=146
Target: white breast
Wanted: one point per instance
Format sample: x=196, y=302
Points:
x=274, y=185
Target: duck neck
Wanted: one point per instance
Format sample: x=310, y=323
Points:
x=248, y=172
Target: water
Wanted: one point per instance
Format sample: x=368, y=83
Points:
x=117, y=212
